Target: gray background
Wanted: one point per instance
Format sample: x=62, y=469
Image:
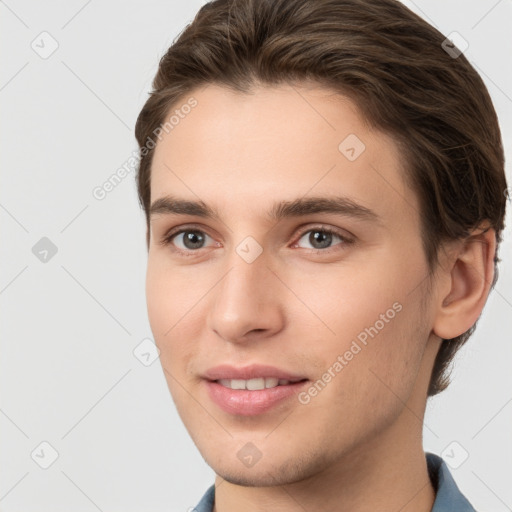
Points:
x=68, y=373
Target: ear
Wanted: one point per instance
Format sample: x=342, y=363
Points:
x=466, y=280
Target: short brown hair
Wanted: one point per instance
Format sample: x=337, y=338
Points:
x=392, y=64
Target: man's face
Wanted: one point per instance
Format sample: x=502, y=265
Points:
x=341, y=312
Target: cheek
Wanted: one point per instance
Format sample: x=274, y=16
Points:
x=171, y=294
x=172, y=316
x=382, y=375
x=369, y=392
x=343, y=300
x=374, y=324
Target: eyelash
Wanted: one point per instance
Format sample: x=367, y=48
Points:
x=167, y=239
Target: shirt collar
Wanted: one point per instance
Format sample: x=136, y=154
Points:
x=448, y=495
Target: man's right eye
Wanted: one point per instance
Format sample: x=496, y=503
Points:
x=186, y=240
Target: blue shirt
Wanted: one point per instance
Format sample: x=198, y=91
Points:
x=448, y=496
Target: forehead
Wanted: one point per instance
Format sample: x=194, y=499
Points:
x=277, y=143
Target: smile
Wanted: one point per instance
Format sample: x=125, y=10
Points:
x=253, y=384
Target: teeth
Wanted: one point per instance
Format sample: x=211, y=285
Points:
x=238, y=384
x=271, y=382
x=253, y=384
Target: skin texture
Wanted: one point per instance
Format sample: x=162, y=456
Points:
x=357, y=444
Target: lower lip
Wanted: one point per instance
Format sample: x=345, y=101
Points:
x=251, y=403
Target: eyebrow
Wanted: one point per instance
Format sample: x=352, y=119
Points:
x=170, y=205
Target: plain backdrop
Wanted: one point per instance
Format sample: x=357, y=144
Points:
x=73, y=79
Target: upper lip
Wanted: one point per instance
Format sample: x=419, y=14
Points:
x=252, y=371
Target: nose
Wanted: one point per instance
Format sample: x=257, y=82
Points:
x=246, y=304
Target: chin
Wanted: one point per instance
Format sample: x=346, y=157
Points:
x=269, y=472
x=248, y=479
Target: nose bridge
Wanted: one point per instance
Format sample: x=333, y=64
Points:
x=248, y=278
x=246, y=298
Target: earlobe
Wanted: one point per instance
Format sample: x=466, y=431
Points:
x=470, y=276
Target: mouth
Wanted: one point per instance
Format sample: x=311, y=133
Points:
x=253, y=372
x=256, y=384
x=252, y=390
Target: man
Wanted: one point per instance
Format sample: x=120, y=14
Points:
x=324, y=190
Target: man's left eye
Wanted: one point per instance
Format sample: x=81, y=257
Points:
x=322, y=238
